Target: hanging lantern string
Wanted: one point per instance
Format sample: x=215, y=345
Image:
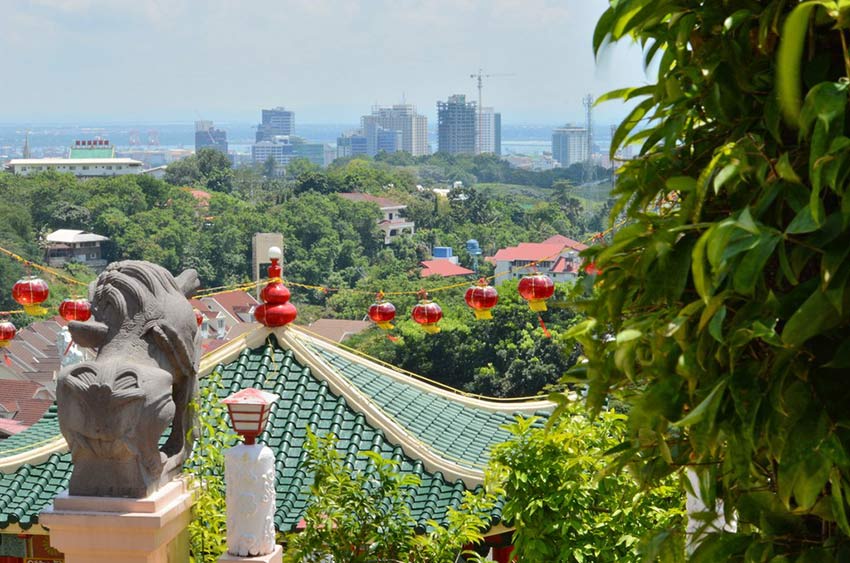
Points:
x=45, y=269
x=419, y=376
x=15, y=312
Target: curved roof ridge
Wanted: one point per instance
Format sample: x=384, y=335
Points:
x=520, y=407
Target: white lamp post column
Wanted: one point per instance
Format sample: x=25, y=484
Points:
x=249, y=476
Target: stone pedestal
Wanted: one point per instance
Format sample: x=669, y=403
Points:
x=101, y=529
x=275, y=556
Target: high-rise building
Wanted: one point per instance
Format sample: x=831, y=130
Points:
x=489, y=132
x=388, y=140
x=280, y=149
x=399, y=117
x=276, y=122
x=456, y=125
x=569, y=145
x=351, y=144
x=207, y=136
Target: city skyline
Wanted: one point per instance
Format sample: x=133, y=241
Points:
x=186, y=61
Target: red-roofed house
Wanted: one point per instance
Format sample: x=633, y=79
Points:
x=443, y=267
x=22, y=404
x=557, y=257
x=393, y=224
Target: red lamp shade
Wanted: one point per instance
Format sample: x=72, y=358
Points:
x=75, y=310
x=7, y=333
x=382, y=312
x=428, y=314
x=249, y=412
x=31, y=292
x=482, y=297
x=536, y=290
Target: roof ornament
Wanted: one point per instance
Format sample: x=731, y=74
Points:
x=113, y=409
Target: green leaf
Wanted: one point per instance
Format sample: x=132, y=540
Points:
x=751, y=268
x=628, y=335
x=814, y=316
x=786, y=170
x=788, y=78
x=708, y=407
x=803, y=222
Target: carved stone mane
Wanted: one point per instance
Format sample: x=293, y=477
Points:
x=114, y=409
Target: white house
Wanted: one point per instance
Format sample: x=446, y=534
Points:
x=80, y=167
x=557, y=257
x=70, y=245
x=392, y=223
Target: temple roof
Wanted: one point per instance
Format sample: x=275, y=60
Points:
x=440, y=435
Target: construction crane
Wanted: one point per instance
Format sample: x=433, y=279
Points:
x=588, y=170
x=480, y=76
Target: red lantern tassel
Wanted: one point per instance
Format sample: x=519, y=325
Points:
x=68, y=349
x=546, y=333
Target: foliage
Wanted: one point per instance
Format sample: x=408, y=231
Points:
x=207, y=539
x=208, y=167
x=724, y=305
x=508, y=356
x=566, y=507
x=364, y=515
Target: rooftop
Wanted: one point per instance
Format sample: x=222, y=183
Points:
x=442, y=267
x=72, y=236
x=382, y=202
x=72, y=161
x=442, y=436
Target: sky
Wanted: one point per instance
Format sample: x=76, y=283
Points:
x=328, y=60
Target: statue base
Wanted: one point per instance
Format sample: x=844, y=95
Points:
x=275, y=556
x=99, y=529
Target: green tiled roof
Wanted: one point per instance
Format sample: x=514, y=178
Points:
x=454, y=430
x=92, y=152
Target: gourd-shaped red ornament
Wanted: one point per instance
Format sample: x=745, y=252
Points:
x=276, y=309
x=31, y=292
x=382, y=312
x=536, y=289
x=7, y=333
x=427, y=314
x=75, y=310
x=482, y=297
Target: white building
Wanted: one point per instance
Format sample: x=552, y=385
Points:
x=399, y=117
x=70, y=245
x=488, y=135
x=557, y=257
x=569, y=145
x=392, y=223
x=79, y=167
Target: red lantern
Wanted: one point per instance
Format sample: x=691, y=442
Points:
x=382, y=312
x=482, y=297
x=276, y=310
x=7, y=333
x=31, y=292
x=427, y=314
x=536, y=290
x=75, y=310
x=199, y=317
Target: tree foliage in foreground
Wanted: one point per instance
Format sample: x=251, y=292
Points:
x=564, y=504
x=363, y=515
x=727, y=296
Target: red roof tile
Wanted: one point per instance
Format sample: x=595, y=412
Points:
x=565, y=241
x=19, y=398
x=441, y=267
x=338, y=329
x=528, y=251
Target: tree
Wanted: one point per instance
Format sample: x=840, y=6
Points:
x=721, y=314
x=564, y=504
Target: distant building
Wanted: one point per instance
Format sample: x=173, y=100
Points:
x=69, y=245
x=402, y=118
x=388, y=140
x=280, y=149
x=277, y=122
x=557, y=257
x=79, y=167
x=489, y=132
x=392, y=223
x=569, y=145
x=351, y=144
x=314, y=152
x=91, y=148
x=456, y=125
x=207, y=136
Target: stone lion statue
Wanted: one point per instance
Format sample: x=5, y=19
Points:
x=114, y=410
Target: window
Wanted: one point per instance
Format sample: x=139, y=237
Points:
x=85, y=167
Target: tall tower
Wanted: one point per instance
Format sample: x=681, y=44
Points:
x=26, y=151
x=589, y=172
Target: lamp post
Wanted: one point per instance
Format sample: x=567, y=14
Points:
x=249, y=479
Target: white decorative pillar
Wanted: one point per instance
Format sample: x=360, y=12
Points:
x=249, y=476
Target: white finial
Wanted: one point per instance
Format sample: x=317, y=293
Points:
x=275, y=253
